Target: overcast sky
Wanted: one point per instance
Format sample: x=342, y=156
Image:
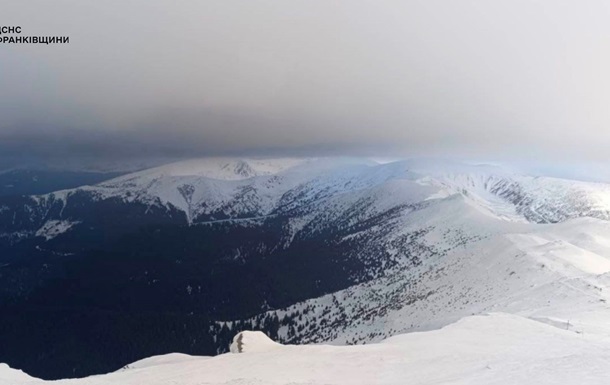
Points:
x=479, y=79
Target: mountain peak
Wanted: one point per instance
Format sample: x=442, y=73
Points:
x=219, y=168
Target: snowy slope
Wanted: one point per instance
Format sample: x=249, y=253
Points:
x=497, y=349
x=230, y=188
x=470, y=263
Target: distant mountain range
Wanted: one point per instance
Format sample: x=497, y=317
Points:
x=339, y=250
x=43, y=181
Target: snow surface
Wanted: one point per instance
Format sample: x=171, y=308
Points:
x=252, y=342
x=499, y=349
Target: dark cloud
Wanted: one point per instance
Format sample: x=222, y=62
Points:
x=155, y=78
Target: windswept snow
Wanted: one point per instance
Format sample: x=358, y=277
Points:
x=11, y=376
x=561, y=255
x=165, y=359
x=495, y=349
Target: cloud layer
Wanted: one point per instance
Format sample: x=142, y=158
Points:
x=180, y=78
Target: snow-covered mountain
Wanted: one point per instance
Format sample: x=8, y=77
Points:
x=328, y=250
x=217, y=189
x=497, y=349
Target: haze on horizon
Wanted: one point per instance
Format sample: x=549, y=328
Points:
x=525, y=80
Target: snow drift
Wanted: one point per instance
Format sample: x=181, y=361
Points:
x=499, y=349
